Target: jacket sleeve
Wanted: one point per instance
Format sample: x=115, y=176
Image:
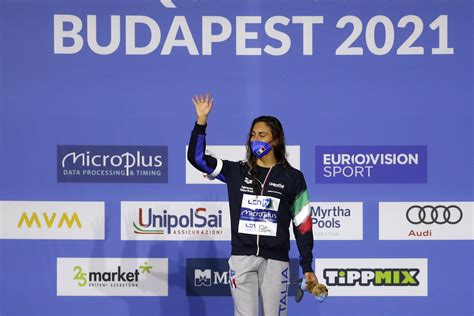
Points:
x=302, y=223
x=198, y=158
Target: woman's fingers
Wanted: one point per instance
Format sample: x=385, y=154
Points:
x=200, y=101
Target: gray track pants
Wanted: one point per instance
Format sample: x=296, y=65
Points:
x=251, y=278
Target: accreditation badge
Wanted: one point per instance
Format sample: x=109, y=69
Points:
x=259, y=215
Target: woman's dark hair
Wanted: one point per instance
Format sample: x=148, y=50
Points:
x=278, y=134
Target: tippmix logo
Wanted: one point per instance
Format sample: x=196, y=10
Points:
x=375, y=276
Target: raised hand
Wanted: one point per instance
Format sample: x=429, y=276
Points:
x=203, y=108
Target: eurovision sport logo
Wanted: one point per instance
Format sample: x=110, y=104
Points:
x=374, y=276
x=51, y=220
x=336, y=221
x=175, y=220
x=426, y=220
x=211, y=277
x=129, y=164
x=112, y=277
x=371, y=164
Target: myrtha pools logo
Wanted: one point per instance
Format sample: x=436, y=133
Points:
x=371, y=164
x=128, y=164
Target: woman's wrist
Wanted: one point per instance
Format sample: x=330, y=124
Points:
x=202, y=120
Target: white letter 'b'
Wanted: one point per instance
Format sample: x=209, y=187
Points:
x=60, y=34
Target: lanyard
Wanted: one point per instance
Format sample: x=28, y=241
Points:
x=266, y=178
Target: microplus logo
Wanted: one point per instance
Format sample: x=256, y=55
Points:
x=112, y=164
x=371, y=164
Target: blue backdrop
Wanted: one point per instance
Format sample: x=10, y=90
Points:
x=48, y=99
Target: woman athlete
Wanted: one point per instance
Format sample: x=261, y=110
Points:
x=265, y=195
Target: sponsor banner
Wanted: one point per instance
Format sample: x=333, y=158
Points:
x=112, y=276
x=233, y=153
x=371, y=164
x=51, y=220
x=130, y=164
x=211, y=276
x=336, y=221
x=173, y=220
x=259, y=215
x=374, y=276
x=426, y=220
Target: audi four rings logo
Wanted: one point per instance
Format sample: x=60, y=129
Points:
x=428, y=214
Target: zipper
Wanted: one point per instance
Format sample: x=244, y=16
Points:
x=261, y=193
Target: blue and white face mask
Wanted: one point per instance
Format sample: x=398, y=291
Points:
x=260, y=149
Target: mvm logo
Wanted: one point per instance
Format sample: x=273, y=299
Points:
x=49, y=220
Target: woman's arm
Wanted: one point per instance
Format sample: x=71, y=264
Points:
x=303, y=228
x=213, y=167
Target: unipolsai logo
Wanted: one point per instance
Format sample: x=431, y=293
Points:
x=196, y=221
x=130, y=164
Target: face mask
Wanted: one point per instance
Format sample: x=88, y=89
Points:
x=259, y=148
